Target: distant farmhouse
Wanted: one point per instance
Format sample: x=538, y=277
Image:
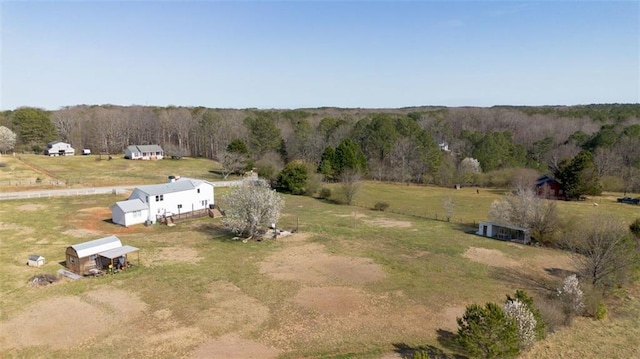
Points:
x=144, y=152
x=59, y=148
x=548, y=187
x=152, y=203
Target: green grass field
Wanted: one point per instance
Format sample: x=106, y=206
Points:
x=354, y=283
x=91, y=171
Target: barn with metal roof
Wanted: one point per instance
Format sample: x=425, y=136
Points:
x=83, y=258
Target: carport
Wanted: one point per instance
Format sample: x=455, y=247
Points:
x=117, y=257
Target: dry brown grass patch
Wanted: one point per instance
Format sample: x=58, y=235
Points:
x=332, y=300
x=490, y=257
x=168, y=255
x=30, y=207
x=232, y=347
x=234, y=311
x=64, y=322
x=311, y=264
x=388, y=223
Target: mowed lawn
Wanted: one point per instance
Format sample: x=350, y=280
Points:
x=351, y=282
x=93, y=171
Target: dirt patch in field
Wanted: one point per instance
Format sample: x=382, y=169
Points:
x=234, y=311
x=98, y=221
x=387, y=223
x=30, y=207
x=232, y=347
x=490, y=257
x=64, y=322
x=16, y=227
x=446, y=318
x=170, y=255
x=332, y=300
x=311, y=264
x=116, y=301
x=80, y=232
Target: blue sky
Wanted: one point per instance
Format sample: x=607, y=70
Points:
x=279, y=54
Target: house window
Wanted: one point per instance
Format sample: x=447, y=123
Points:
x=179, y=206
x=198, y=190
x=72, y=260
x=157, y=198
x=160, y=198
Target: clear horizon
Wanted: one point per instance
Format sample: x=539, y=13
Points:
x=310, y=54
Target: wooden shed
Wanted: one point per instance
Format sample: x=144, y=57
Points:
x=84, y=257
x=35, y=260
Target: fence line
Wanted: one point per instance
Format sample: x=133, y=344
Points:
x=60, y=193
x=436, y=217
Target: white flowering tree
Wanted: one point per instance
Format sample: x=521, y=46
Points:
x=525, y=320
x=7, y=139
x=469, y=169
x=250, y=206
x=571, y=295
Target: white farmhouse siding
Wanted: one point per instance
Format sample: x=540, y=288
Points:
x=130, y=212
x=59, y=148
x=144, y=152
x=166, y=199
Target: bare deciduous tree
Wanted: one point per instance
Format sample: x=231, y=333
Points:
x=449, y=207
x=349, y=185
x=251, y=206
x=526, y=209
x=232, y=162
x=605, y=251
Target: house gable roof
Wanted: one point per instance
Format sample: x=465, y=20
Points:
x=149, y=148
x=541, y=181
x=96, y=246
x=144, y=148
x=131, y=205
x=183, y=184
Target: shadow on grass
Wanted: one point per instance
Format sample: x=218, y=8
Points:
x=529, y=281
x=446, y=340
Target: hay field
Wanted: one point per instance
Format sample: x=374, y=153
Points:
x=351, y=283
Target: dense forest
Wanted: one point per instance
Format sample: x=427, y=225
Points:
x=437, y=145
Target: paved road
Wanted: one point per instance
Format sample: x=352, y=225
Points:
x=85, y=191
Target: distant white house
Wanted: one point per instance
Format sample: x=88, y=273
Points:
x=59, y=148
x=144, y=152
x=150, y=203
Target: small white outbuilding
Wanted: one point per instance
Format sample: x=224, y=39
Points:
x=35, y=260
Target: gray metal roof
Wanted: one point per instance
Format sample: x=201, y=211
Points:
x=182, y=184
x=96, y=246
x=131, y=205
x=144, y=148
x=35, y=257
x=118, y=252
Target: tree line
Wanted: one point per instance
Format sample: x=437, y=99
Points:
x=418, y=144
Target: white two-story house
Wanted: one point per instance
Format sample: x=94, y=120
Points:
x=59, y=148
x=151, y=202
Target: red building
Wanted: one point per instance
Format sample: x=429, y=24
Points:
x=548, y=187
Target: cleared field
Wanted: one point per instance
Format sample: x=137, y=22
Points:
x=91, y=171
x=351, y=283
